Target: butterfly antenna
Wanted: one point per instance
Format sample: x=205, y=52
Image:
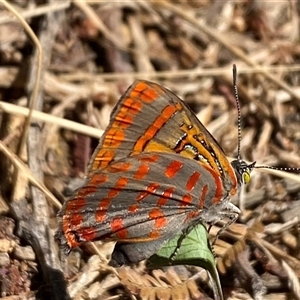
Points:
x=237, y=101
x=285, y=169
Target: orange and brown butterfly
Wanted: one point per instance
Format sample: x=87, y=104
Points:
x=156, y=172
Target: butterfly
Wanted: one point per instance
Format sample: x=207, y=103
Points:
x=156, y=172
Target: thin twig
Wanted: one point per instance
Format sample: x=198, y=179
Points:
x=44, y=117
x=38, y=73
x=37, y=11
x=199, y=72
x=87, y=9
x=25, y=170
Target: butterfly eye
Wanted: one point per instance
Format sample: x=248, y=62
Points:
x=242, y=170
x=246, y=176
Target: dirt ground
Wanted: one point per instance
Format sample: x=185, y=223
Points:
x=66, y=63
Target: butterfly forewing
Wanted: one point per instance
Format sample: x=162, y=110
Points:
x=150, y=118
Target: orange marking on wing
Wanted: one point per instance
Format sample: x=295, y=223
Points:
x=224, y=162
x=65, y=224
x=154, y=235
x=227, y=167
x=124, y=118
x=121, y=183
x=150, y=159
x=203, y=195
x=87, y=234
x=218, y=183
x=149, y=95
x=192, y=215
x=159, y=217
x=151, y=188
x=151, y=131
x=113, y=193
x=130, y=106
x=145, y=93
x=114, y=138
x=100, y=215
x=75, y=205
x=167, y=194
x=101, y=211
x=71, y=237
x=133, y=208
x=72, y=243
x=117, y=227
x=221, y=159
x=141, y=172
x=86, y=191
x=98, y=179
x=123, y=121
x=179, y=106
x=104, y=203
x=140, y=86
x=192, y=181
x=119, y=186
x=119, y=167
x=75, y=220
x=103, y=158
x=173, y=168
x=186, y=200
x=67, y=229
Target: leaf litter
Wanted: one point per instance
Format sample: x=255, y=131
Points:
x=96, y=51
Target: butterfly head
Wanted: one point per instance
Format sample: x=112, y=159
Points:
x=242, y=170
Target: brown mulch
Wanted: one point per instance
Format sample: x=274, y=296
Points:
x=92, y=51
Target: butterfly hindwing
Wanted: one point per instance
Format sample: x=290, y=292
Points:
x=142, y=198
x=130, y=253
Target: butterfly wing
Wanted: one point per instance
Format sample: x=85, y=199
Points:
x=130, y=253
x=147, y=197
x=156, y=170
x=150, y=118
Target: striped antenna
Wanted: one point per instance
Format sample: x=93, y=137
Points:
x=286, y=169
x=237, y=101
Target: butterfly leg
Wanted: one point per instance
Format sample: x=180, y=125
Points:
x=231, y=212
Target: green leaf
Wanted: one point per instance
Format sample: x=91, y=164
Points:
x=192, y=249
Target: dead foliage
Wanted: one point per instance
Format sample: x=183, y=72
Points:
x=92, y=51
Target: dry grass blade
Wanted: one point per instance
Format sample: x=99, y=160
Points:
x=282, y=174
x=86, y=8
x=199, y=72
x=26, y=171
x=47, y=118
x=229, y=257
x=38, y=71
x=161, y=285
x=37, y=11
x=276, y=252
x=293, y=279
